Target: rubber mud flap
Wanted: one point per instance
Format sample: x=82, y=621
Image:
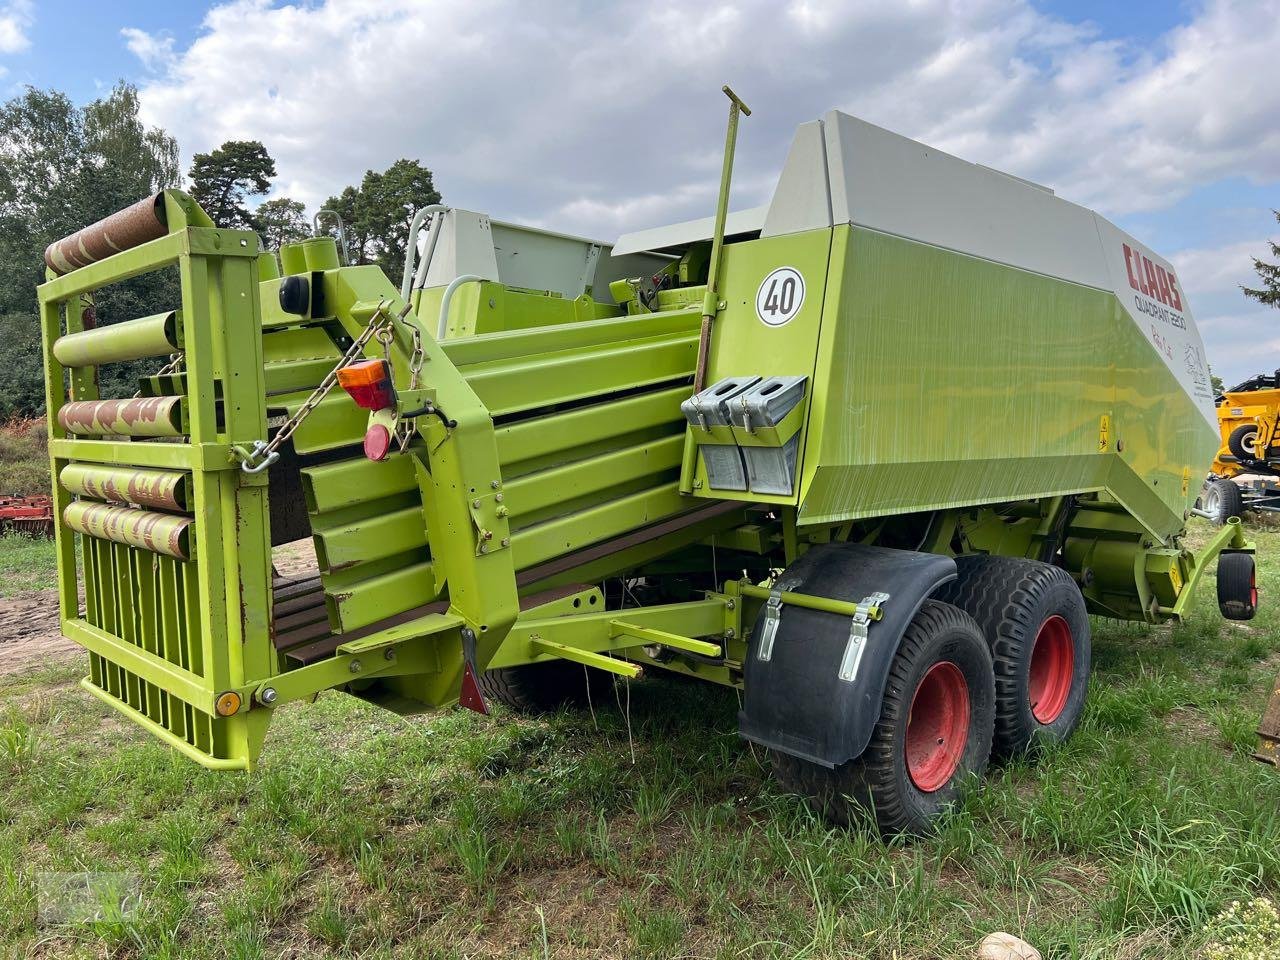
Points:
x=795, y=701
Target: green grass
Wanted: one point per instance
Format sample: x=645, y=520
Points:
x=26, y=563
x=451, y=835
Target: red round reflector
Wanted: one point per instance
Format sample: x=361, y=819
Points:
x=377, y=442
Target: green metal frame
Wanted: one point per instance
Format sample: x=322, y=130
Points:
x=168, y=638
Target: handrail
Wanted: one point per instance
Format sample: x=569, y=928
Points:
x=342, y=232
x=411, y=248
x=454, y=284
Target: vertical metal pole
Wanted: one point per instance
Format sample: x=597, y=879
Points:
x=711, y=301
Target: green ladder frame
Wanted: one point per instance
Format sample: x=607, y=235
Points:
x=156, y=626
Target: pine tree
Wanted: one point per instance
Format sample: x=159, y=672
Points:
x=223, y=179
x=1269, y=274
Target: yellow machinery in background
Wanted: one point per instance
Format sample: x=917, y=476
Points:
x=1249, y=431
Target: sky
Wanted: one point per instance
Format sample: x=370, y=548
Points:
x=597, y=118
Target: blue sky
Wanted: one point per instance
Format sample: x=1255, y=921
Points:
x=598, y=118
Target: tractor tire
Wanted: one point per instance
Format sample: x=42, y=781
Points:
x=542, y=687
x=1240, y=442
x=1035, y=621
x=933, y=738
x=1223, y=500
x=1237, y=586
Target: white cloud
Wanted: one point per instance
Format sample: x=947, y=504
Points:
x=155, y=52
x=1222, y=269
x=590, y=116
x=1241, y=336
x=16, y=17
x=600, y=118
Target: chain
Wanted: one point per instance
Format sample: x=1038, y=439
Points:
x=173, y=366
x=265, y=454
x=404, y=428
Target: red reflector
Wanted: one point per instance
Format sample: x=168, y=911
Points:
x=369, y=384
x=377, y=442
x=471, y=697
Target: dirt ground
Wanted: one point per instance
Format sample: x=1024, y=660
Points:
x=29, y=635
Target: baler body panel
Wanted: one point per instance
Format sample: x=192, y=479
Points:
x=979, y=339
x=952, y=380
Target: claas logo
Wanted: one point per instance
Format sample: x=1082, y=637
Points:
x=1151, y=279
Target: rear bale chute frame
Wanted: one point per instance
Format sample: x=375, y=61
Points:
x=544, y=454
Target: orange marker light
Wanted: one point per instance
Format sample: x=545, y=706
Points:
x=369, y=384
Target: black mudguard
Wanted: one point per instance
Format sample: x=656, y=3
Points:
x=795, y=701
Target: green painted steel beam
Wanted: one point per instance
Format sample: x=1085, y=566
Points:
x=810, y=602
x=170, y=677
x=153, y=336
x=165, y=735
x=205, y=457
x=647, y=635
x=469, y=354
x=358, y=599
x=125, y=265
x=407, y=657
x=593, y=475
x=371, y=538
x=347, y=483
x=587, y=658
x=417, y=629
x=547, y=379
x=549, y=438
x=595, y=631
x=613, y=518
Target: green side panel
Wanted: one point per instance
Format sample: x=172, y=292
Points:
x=491, y=307
x=743, y=345
x=945, y=380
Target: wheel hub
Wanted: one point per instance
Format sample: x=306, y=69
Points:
x=1053, y=661
x=937, y=726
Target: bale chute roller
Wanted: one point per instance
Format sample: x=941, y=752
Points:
x=475, y=499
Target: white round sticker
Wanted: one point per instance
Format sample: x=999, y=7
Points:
x=780, y=296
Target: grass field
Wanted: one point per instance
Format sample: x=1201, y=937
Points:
x=653, y=832
x=26, y=563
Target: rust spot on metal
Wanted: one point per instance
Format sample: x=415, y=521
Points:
x=157, y=532
x=164, y=489
x=139, y=417
x=126, y=228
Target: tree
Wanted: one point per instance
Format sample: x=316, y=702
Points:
x=224, y=179
x=1269, y=274
x=281, y=221
x=377, y=215
x=62, y=167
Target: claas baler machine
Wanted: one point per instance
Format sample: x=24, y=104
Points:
x=871, y=453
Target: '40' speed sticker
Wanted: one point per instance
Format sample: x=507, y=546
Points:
x=780, y=295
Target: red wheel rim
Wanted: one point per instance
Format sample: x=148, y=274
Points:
x=1053, y=665
x=937, y=726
